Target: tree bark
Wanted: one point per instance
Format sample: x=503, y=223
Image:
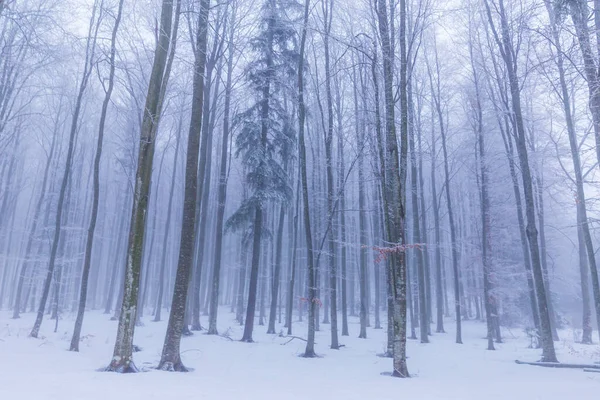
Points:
x=395, y=179
x=312, y=279
x=171, y=357
x=122, y=360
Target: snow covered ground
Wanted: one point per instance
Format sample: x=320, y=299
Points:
x=42, y=369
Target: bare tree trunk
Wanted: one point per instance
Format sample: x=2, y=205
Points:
x=420, y=264
x=435, y=86
x=538, y=184
x=147, y=258
x=583, y=233
x=342, y=212
x=171, y=357
x=579, y=11
x=164, y=249
x=36, y=216
x=312, y=279
x=327, y=7
x=122, y=360
x=362, y=220
x=223, y=176
x=395, y=179
x=92, y=227
x=203, y=192
x=239, y=313
x=294, y=261
x=87, y=70
x=277, y=270
x=116, y=268
x=508, y=55
x=489, y=299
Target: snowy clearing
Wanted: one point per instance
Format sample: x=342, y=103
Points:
x=42, y=369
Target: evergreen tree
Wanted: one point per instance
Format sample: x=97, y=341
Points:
x=265, y=137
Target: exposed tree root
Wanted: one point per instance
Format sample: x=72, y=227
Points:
x=172, y=366
x=395, y=374
x=122, y=366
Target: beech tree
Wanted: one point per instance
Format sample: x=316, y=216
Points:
x=122, y=360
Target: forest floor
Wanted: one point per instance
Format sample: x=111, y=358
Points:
x=224, y=369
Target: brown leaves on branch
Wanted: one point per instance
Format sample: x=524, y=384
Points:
x=384, y=252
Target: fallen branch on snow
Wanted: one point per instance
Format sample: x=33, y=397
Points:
x=292, y=338
x=597, y=370
x=560, y=365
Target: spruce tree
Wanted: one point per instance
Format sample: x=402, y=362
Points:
x=265, y=136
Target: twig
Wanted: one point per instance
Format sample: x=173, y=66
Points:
x=226, y=337
x=292, y=338
x=560, y=365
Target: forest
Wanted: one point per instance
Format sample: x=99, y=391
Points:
x=316, y=192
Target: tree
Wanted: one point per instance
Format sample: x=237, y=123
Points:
x=594, y=85
x=92, y=228
x=222, y=194
x=309, y=352
x=478, y=128
x=87, y=71
x=507, y=51
x=171, y=357
x=264, y=133
x=122, y=360
x=163, y=261
x=395, y=179
x=436, y=94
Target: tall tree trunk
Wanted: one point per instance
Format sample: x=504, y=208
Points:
x=147, y=258
x=312, y=279
x=294, y=260
x=171, y=358
x=164, y=249
x=222, y=192
x=87, y=70
x=489, y=299
x=116, y=266
x=87, y=259
x=122, y=360
x=453, y=237
x=395, y=179
x=420, y=264
x=579, y=11
x=362, y=219
x=275, y=279
x=507, y=51
x=239, y=312
x=586, y=247
x=327, y=7
x=342, y=212
x=257, y=227
x=36, y=216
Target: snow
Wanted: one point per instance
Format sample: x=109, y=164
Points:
x=43, y=369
